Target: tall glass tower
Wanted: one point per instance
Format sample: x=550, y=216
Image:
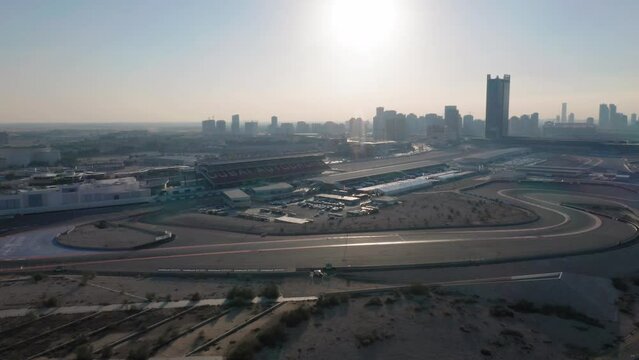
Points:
x=497, y=99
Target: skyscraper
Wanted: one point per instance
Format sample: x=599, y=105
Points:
x=235, y=124
x=220, y=126
x=379, y=124
x=564, y=110
x=453, y=122
x=604, y=116
x=250, y=128
x=612, y=120
x=208, y=127
x=497, y=100
x=633, y=119
x=467, y=124
x=274, y=124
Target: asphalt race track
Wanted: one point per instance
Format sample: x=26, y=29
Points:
x=559, y=231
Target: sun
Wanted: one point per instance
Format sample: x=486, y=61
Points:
x=362, y=25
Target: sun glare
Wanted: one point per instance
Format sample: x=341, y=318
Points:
x=362, y=25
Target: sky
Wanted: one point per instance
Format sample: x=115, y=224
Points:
x=311, y=60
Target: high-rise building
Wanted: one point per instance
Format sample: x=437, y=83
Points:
x=302, y=127
x=590, y=120
x=356, y=128
x=564, y=110
x=497, y=101
x=274, y=125
x=467, y=125
x=235, y=124
x=453, y=123
x=604, y=116
x=379, y=124
x=287, y=128
x=220, y=126
x=633, y=119
x=208, y=127
x=571, y=118
x=250, y=128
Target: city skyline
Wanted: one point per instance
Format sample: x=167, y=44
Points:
x=72, y=61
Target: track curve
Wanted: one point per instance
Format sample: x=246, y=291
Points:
x=560, y=231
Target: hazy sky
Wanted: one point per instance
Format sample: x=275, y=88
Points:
x=313, y=60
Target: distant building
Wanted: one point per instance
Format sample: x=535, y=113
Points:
x=356, y=128
x=92, y=194
x=604, y=116
x=497, y=103
x=235, y=124
x=564, y=110
x=208, y=127
x=21, y=156
x=302, y=127
x=467, y=125
x=436, y=134
x=389, y=125
x=453, y=123
x=569, y=130
x=633, y=119
x=274, y=125
x=250, y=128
x=220, y=126
x=571, y=118
x=590, y=121
x=287, y=129
x=274, y=191
x=236, y=198
x=379, y=125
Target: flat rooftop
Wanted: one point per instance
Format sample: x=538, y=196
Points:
x=280, y=186
x=375, y=171
x=252, y=160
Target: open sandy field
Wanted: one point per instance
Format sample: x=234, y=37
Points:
x=421, y=210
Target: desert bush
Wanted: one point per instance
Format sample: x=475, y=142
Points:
x=523, y=306
x=141, y=352
x=50, y=302
x=272, y=336
x=295, y=317
x=374, y=301
x=500, y=312
x=243, y=351
x=417, y=289
x=84, y=352
x=240, y=296
x=270, y=291
x=196, y=296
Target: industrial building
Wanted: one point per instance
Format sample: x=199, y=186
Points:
x=221, y=174
x=418, y=183
x=272, y=191
x=85, y=195
x=236, y=198
x=348, y=200
x=16, y=156
x=492, y=156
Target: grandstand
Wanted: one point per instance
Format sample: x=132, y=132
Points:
x=238, y=172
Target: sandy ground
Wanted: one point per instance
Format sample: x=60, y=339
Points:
x=461, y=322
x=442, y=326
x=418, y=210
x=110, y=236
x=101, y=290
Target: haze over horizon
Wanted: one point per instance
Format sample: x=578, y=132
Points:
x=173, y=61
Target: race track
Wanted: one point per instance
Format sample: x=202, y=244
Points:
x=559, y=231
